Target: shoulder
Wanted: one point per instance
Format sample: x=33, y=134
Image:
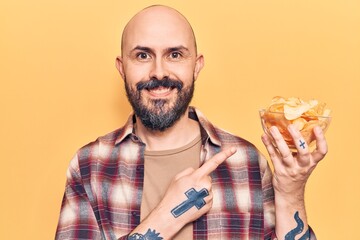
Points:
x=247, y=156
x=92, y=149
x=246, y=152
x=229, y=139
x=88, y=156
x=217, y=135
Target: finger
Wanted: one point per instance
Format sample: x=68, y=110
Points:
x=215, y=161
x=303, y=153
x=210, y=183
x=273, y=153
x=183, y=173
x=210, y=197
x=209, y=201
x=321, y=145
x=281, y=145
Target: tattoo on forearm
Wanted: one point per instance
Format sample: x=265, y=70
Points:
x=306, y=236
x=299, y=228
x=194, y=199
x=149, y=235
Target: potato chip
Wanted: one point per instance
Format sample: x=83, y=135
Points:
x=299, y=123
x=305, y=115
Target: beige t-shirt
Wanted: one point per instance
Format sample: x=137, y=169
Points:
x=160, y=168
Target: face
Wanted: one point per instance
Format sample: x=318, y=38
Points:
x=159, y=65
x=159, y=113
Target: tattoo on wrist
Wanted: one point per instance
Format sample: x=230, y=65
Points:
x=299, y=228
x=149, y=235
x=194, y=199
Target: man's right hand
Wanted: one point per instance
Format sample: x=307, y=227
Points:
x=188, y=197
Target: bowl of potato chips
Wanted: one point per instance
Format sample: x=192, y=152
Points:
x=305, y=115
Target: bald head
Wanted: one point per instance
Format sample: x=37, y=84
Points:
x=156, y=23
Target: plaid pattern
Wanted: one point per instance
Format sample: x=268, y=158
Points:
x=104, y=185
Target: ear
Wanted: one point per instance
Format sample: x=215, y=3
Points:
x=119, y=66
x=199, y=64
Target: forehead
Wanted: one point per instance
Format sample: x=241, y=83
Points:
x=158, y=28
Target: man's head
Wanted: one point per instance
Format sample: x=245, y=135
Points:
x=157, y=10
x=159, y=64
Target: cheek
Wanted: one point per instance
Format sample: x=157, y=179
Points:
x=184, y=73
x=134, y=75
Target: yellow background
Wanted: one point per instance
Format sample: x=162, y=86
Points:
x=60, y=90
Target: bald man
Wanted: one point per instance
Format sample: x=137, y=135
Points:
x=168, y=173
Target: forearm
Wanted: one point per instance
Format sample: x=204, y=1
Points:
x=160, y=224
x=291, y=220
x=291, y=172
x=187, y=198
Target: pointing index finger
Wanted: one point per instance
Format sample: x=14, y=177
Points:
x=215, y=161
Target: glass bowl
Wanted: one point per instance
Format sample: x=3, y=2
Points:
x=304, y=123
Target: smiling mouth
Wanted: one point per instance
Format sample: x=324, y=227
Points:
x=160, y=91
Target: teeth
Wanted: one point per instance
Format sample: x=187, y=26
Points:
x=160, y=90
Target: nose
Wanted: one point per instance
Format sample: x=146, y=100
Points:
x=159, y=70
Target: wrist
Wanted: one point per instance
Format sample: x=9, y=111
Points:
x=292, y=195
x=163, y=222
x=289, y=200
x=288, y=209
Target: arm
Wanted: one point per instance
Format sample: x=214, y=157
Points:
x=188, y=197
x=77, y=218
x=291, y=173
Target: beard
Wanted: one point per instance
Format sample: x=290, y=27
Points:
x=159, y=114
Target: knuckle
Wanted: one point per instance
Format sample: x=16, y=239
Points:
x=303, y=172
x=325, y=150
x=322, y=152
x=305, y=156
x=293, y=173
x=273, y=154
x=277, y=137
x=218, y=158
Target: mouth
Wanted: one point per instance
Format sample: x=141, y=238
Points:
x=160, y=92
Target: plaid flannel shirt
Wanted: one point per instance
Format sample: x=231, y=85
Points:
x=105, y=178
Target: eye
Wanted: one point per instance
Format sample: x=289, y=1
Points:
x=175, y=55
x=142, y=56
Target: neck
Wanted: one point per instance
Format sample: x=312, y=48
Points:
x=178, y=135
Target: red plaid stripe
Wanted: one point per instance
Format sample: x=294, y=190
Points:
x=104, y=188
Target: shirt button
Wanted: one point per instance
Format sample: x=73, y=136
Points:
x=134, y=213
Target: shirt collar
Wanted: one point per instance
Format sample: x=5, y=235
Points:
x=127, y=129
x=206, y=127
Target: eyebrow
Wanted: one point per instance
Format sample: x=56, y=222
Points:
x=178, y=48
x=141, y=48
x=170, y=49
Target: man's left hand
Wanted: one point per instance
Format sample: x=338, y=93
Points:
x=292, y=170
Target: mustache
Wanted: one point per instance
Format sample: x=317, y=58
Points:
x=155, y=83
